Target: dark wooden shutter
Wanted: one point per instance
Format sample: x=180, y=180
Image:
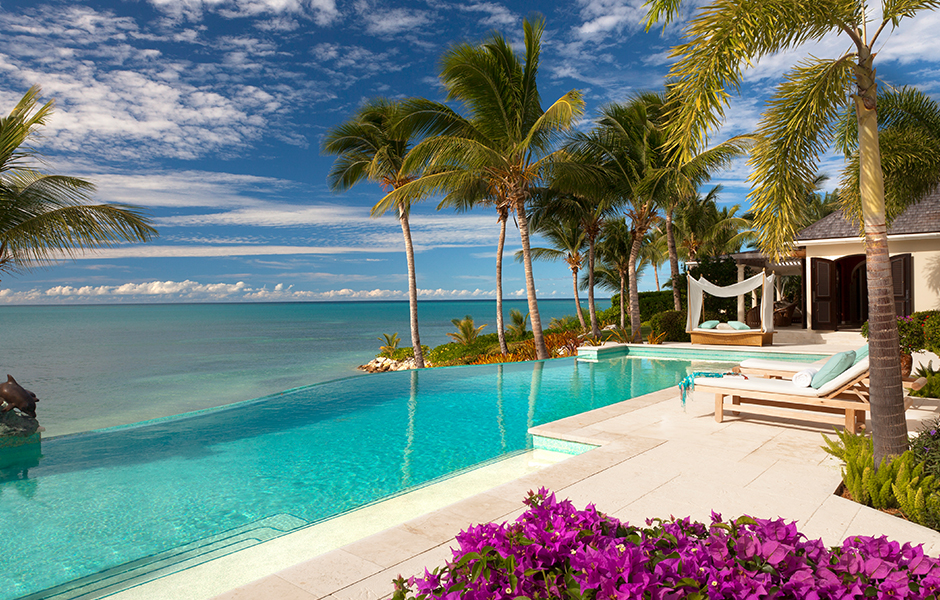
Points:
x=824, y=293
x=902, y=275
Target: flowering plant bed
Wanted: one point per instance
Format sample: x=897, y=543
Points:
x=556, y=551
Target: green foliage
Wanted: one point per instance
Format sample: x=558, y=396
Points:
x=931, y=389
x=932, y=330
x=916, y=493
x=455, y=353
x=867, y=486
x=926, y=446
x=466, y=331
x=391, y=344
x=651, y=303
x=721, y=271
x=516, y=329
x=672, y=324
x=566, y=323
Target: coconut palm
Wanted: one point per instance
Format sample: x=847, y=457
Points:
x=466, y=332
x=518, y=320
x=654, y=252
x=615, y=248
x=707, y=230
x=568, y=241
x=505, y=144
x=797, y=125
x=909, y=139
x=45, y=216
x=672, y=179
x=368, y=148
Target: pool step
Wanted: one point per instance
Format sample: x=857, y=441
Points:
x=146, y=569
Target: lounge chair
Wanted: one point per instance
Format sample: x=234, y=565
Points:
x=841, y=401
x=785, y=369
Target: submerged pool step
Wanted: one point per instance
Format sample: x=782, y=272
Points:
x=146, y=569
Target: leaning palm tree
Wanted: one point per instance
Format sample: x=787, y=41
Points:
x=367, y=148
x=724, y=37
x=507, y=141
x=567, y=240
x=45, y=216
x=615, y=248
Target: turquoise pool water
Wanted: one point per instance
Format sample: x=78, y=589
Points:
x=99, y=500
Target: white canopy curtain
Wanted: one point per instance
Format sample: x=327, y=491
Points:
x=698, y=286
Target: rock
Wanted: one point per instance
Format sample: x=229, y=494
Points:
x=17, y=425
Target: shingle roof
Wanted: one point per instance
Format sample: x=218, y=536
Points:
x=923, y=217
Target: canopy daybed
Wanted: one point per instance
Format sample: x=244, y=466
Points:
x=762, y=336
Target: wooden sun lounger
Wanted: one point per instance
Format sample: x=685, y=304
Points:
x=843, y=404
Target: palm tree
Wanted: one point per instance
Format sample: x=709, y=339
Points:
x=654, y=252
x=706, y=230
x=517, y=328
x=672, y=179
x=505, y=144
x=615, y=248
x=909, y=138
x=568, y=243
x=466, y=332
x=796, y=127
x=367, y=147
x=44, y=216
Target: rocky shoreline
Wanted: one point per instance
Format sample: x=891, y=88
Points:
x=380, y=364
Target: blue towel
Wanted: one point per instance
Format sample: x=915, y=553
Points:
x=688, y=384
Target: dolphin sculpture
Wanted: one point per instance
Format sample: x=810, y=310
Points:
x=17, y=397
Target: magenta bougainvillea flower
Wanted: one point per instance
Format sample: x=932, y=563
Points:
x=557, y=551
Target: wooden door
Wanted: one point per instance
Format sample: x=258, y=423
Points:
x=824, y=292
x=902, y=274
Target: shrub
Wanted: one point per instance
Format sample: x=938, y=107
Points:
x=926, y=446
x=554, y=550
x=672, y=323
x=932, y=331
x=917, y=332
x=931, y=389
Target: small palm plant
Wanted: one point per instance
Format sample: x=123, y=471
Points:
x=516, y=329
x=466, y=332
x=391, y=345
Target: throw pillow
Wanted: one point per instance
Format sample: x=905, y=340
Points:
x=860, y=354
x=834, y=367
x=738, y=325
x=708, y=325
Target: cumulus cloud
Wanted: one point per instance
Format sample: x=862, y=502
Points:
x=381, y=20
x=192, y=291
x=323, y=12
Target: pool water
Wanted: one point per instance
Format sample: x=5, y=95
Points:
x=99, y=500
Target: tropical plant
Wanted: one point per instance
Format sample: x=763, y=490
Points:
x=45, y=216
x=671, y=324
x=370, y=146
x=390, y=346
x=569, y=241
x=503, y=149
x=707, y=230
x=466, y=332
x=721, y=40
x=516, y=328
x=654, y=252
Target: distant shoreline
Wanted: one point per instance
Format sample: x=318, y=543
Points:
x=349, y=301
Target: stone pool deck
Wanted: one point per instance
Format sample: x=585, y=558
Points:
x=655, y=458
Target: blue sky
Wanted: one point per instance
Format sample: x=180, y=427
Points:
x=209, y=114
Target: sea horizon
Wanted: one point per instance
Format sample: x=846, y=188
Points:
x=104, y=365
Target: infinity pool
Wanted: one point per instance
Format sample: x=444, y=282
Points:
x=218, y=480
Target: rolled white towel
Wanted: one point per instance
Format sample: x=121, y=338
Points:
x=804, y=378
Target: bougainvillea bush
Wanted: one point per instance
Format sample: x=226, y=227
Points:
x=556, y=551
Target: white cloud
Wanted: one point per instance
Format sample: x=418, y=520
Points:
x=381, y=20
x=497, y=15
x=192, y=291
x=323, y=12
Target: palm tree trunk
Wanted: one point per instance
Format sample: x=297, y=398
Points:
x=412, y=287
x=889, y=426
x=673, y=261
x=541, y=352
x=592, y=308
x=623, y=291
x=634, y=293
x=500, y=331
x=656, y=275
x=577, y=301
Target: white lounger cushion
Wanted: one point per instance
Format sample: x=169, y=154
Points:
x=780, y=365
x=782, y=386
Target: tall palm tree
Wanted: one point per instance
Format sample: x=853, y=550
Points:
x=568, y=241
x=654, y=252
x=507, y=141
x=672, y=179
x=797, y=125
x=615, y=248
x=909, y=138
x=369, y=147
x=44, y=216
x=707, y=230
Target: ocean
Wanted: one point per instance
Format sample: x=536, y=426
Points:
x=101, y=366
